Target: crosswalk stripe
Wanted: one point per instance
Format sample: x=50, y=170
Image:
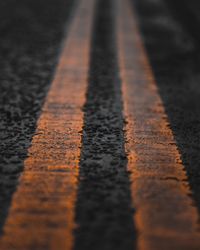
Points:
x=42, y=210
x=165, y=215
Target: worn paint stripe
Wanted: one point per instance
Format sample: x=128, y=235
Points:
x=42, y=211
x=165, y=215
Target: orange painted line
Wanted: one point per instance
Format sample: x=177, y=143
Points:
x=165, y=215
x=42, y=210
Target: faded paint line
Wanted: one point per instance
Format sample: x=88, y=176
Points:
x=165, y=215
x=42, y=211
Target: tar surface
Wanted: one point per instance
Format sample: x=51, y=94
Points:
x=31, y=36
x=172, y=40
x=31, y=33
x=104, y=212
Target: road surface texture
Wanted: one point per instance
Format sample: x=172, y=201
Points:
x=99, y=128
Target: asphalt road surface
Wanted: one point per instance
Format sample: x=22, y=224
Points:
x=99, y=125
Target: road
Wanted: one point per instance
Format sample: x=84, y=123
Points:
x=99, y=125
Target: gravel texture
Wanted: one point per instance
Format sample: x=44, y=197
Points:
x=31, y=34
x=104, y=211
x=171, y=37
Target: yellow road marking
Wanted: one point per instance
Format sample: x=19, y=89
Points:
x=42, y=210
x=165, y=216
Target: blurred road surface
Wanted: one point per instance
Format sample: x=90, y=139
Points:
x=99, y=128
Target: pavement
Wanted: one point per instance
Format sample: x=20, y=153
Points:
x=99, y=128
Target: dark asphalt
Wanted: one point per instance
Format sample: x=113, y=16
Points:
x=104, y=211
x=171, y=35
x=31, y=33
x=31, y=36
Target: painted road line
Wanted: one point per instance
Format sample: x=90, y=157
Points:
x=42, y=211
x=104, y=209
x=165, y=215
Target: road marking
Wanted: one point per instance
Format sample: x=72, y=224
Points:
x=42, y=211
x=165, y=215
